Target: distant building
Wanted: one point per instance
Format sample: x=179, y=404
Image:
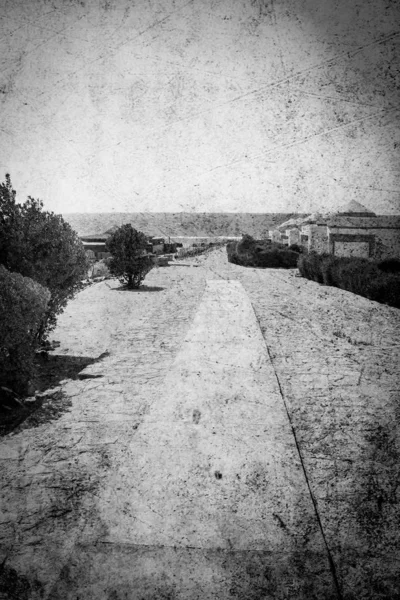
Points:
x=352, y=230
x=357, y=233
x=157, y=245
x=275, y=236
x=96, y=244
x=293, y=236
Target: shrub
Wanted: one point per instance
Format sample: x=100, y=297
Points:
x=247, y=242
x=129, y=261
x=296, y=248
x=389, y=265
x=358, y=275
x=42, y=246
x=310, y=267
x=276, y=259
x=238, y=255
x=23, y=303
x=249, y=252
x=385, y=289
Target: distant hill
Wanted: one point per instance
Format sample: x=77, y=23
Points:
x=181, y=224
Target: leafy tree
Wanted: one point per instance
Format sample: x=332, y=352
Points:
x=130, y=261
x=41, y=245
x=23, y=304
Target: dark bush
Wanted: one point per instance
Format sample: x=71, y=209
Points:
x=296, y=248
x=231, y=250
x=358, y=275
x=247, y=242
x=41, y=245
x=130, y=261
x=386, y=290
x=389, y=265
x=276, y=259
x=310, y=266
x=261, y=253
x=23, y=303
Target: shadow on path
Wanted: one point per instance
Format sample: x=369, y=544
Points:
x=142, y=289
x=45, y=406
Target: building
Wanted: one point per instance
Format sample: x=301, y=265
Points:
x=156, y=244
x=95, y=245
x=352, y=230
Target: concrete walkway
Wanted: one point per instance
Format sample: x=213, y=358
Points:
x=210, y=499
x=174, y=473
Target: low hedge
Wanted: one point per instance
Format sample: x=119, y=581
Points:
x=265, y=254
x=389, y=265
x=358, y=275
x=23, y=303
x=276, y=258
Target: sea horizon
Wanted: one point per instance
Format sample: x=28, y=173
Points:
x=182, y=224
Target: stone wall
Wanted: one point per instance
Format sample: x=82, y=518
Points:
x=349, y=248
x=383, y=242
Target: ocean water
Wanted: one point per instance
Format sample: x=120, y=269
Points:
x=201, y=226
x=189, y=241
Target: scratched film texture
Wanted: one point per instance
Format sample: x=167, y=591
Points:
x=201, y=105
x=172, y=471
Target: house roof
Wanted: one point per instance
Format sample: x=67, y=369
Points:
x=111, y=230
x=351, y=209
x=291, y=224
x=354, y=208
x=100, y=237
x=369, y=222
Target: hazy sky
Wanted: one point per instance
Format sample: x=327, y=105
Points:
x=204, y=105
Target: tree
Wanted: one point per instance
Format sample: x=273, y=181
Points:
x=23, y=304
x=130, y=261
x=41, y=245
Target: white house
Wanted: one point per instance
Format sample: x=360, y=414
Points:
x=352, y=230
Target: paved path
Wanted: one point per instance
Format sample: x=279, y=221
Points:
x=175, y=472
x=212, y=472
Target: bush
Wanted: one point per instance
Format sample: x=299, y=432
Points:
x=129, y=261
x=249, y=252
x=247, y=242
x=389, y=265
x=276, y=259
x=296, y=248
x=23, y=304
x=310, y=267
x=42, y=246
x=358, y=275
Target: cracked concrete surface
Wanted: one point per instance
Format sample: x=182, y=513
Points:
x=240, y=441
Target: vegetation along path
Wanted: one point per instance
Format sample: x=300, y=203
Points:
x=234, y=435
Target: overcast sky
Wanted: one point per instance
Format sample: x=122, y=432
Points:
x=201, y=105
